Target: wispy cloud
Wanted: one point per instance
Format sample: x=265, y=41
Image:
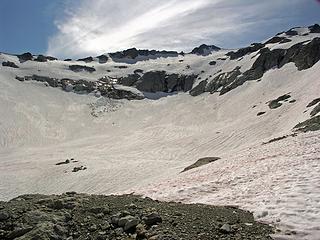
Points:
x=94, y=27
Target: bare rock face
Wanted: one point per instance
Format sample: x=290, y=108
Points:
x=277, y=39
x=308, y=55
x=104, y=88
x=159, y=81
x=102, y=59
x=86, y=60
x=133, y=53
x=42, y=58
x=205, y=49
x=153, y=82
x=244, y=51
x=304, y=55
x=199, y=89
x=314, y=28
x=129, y=80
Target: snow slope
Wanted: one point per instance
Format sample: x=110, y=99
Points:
x=142, y=146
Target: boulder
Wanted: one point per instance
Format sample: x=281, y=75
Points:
x=152, y=219
x=4, y=215
x=226, y=228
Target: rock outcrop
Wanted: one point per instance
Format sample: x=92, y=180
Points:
x=205, y=49
x=244, y=51
x=159, y=81
x=25, y=57
x=9, y=64
x=304, y=55
x=80, y=68
x=103, y=59
x=42, y=58
x=133, y=53
x=86, y=60
x=103, y=86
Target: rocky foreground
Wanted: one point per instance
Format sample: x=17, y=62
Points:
x=81, y=216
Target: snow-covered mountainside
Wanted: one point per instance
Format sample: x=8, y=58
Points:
x=132, y=121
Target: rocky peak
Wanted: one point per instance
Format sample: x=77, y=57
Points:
x=205, y=49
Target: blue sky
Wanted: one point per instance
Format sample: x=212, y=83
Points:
x=76, y=28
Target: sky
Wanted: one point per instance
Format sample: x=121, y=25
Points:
x=79, y=28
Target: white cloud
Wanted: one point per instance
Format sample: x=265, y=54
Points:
x=95, y=27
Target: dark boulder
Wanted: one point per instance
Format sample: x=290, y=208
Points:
x=9, y=64
x=273, y=104
x=152, y=219
x=212, y=63
x=260, y=113
x=21, y=79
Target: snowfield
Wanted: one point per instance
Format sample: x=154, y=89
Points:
x=141, y=146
